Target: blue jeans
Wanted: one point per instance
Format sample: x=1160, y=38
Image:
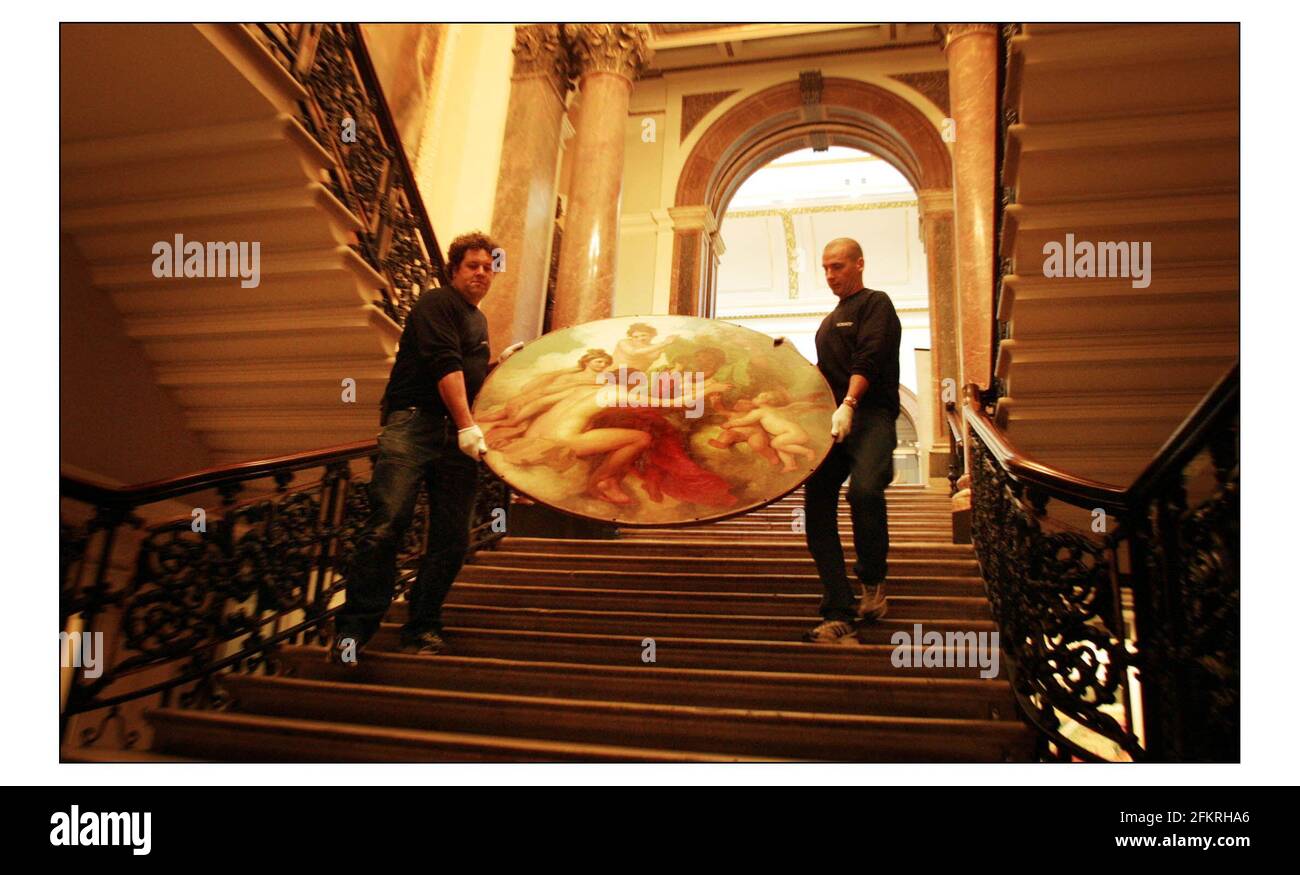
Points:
x=414, y=447
x=866, y=457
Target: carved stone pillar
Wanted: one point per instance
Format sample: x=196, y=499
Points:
x=524, y=211
x=608, y=58
x=945, y=352
x=972, y=84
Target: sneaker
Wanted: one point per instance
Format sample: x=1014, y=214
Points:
x=872, y=604
x=830, y=632
x=343, y=651
x=428, y=642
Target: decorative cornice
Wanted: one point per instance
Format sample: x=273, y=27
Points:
x=935, y=201
x=933, y=84
x=697, y=106
x=692, y=218
x=540, y=52
x=621, y=49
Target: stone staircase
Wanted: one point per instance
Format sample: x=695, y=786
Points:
x=191, y=130
x=1123, y=133
x=545, y=662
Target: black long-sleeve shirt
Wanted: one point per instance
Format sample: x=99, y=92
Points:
x=861, y=336
x=444, y=333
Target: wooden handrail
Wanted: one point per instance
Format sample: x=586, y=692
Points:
x=208, y=478
x=1189, y=439
x=1053, y=481
x=1172, y=456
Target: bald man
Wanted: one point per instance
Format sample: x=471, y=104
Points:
x=857, y=352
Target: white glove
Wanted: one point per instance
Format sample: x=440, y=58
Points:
x=509, y=351
x=841, y=422
x=471, y=441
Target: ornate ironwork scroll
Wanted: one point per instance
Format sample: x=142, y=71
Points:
x=1129, y=637
x=203, y=600
x=1053, y=598
x=347, y=114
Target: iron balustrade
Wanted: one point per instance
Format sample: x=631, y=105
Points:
x=1122, y=643
x=179, y=603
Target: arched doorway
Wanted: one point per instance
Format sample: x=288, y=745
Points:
x=806, y=114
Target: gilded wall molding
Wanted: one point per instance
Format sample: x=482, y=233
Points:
x=825, y=208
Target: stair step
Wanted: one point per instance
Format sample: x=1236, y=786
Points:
x=1039, y=306
x=227, y=737
x=725, y=569
x=735, y=604
x=1182, y=230
x=309, y=218
x=655, y=624
x=633, y=546
x=730, y=731
x=760, y=537
x=803, y=582
x=1136, y=363
x=851, y=658
x=900, y=693
x=234, y=157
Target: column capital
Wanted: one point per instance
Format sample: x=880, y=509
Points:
x=953, y=32
x=622, y=49
x=540, y=53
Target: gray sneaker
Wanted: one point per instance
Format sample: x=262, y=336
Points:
x=830, y=632
x=872, y=604
x=427, y=643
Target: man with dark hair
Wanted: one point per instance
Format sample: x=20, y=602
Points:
x=857, y=352
x=428, y=436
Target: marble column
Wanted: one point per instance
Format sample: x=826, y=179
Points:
x=972, y=85
x=608, y=58
x=696, y=250
x=523, y=214
x=936, y=207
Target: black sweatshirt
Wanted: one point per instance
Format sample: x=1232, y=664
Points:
x=443, y=333
x=861, y=336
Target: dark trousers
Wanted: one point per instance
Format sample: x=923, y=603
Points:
x=866, y=458
x=414, y=447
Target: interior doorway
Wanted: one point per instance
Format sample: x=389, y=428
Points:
x=770, y=278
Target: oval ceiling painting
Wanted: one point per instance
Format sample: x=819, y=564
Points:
x=655, y=420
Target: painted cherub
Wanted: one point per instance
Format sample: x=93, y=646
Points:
x=753, y=435
x=786, y=437
x=638, y=351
